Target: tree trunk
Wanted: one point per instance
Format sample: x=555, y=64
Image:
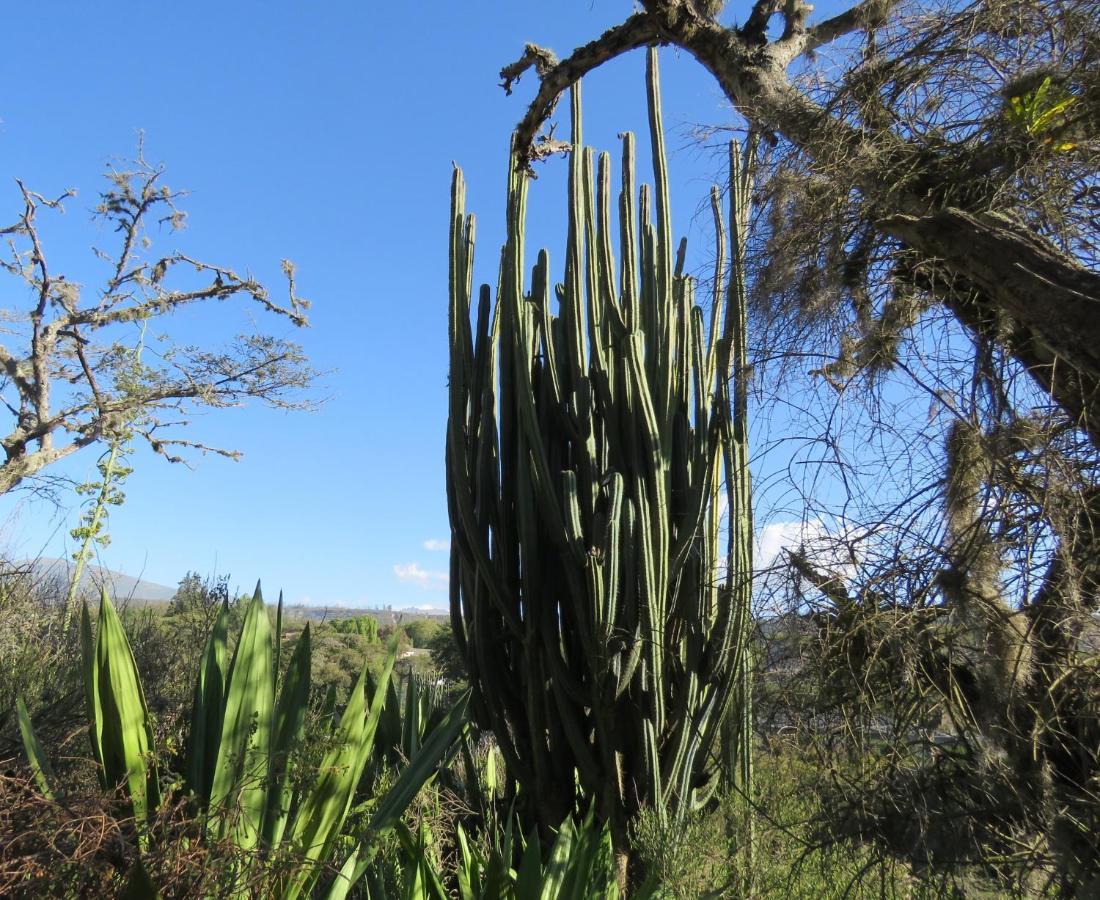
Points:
x=1052, y=301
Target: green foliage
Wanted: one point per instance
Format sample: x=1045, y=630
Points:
x=411, y=714
x=339, y=658
x=364, y=626
x=38, y=656
x=446, y=656
x=706, y=854
x=1041, y=110
x=421, y=632
x=602, y=590
x=195, y=593
x=245, y=734
x=579, y=864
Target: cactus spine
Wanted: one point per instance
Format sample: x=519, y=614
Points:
x=589, y=444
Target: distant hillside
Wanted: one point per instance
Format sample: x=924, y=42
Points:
x=119, y=586
x=384, y=616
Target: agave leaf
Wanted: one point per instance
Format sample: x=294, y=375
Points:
x=139, y=886
x=419, y=770
x=529, y=877
x=238, y=790
x=604, y=863
x=346, y=878
x=432, y=882
x=470, y=867
x=40, y=763
x=342, y=883
x=376, y=886
x=356, y=867
x=415, y=888
x=561, y=858
x=588, y=867
x=390, y=724
x=328, y=705
x=325, y=806
x=207, y=708
x=91, y=702
x=278, y=644
x=390, y=808
x=475, y=788
x=289, y=727
x=122, y=727
x=423, y=880
x=410, y=737
x=387, y=742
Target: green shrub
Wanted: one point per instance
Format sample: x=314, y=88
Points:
x=421, y=632
x=364, y=626
x=705, y=854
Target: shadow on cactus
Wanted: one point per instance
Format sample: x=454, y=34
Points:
x=236, y=789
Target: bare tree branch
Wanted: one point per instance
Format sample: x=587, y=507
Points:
x=78, y=375
x=913, y=184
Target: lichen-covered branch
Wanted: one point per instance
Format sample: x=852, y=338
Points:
x=67, y=376
x=555, y=77
x=910, y=185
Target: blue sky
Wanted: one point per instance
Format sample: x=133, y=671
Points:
x=324, y=133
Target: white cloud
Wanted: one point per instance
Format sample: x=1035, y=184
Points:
x=437, y=544
x=426, y=579
x=773, y=539
x=826, y=550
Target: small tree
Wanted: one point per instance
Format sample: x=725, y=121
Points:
x=421, y=631
x=199, y=594
x=68, y=377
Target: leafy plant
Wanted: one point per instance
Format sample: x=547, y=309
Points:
x=365, y=626
x=580, y=864
x=1041, y=110
x=244, y=732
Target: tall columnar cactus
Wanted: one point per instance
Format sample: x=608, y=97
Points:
x=598, y=492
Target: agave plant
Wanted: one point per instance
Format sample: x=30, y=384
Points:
x=409, y=717
x=244, y=730
x=580, y=863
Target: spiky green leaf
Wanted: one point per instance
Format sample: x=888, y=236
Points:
x=123, y=729
x=290, y=720
x=238, y=793
x=36, y=756
x=207, y=708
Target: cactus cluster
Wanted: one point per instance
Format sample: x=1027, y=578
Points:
x=599, y=496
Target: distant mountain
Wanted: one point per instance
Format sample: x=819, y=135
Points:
x=119, y=586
